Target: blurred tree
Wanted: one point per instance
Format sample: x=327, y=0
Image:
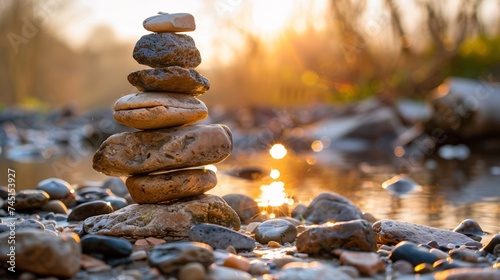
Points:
x=34, y=64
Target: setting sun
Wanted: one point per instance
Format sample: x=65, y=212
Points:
x=271, y=16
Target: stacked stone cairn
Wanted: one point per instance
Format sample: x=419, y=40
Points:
x=163, y=162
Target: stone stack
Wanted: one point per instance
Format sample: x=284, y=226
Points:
x=164, y=160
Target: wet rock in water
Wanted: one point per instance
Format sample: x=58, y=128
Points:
x=490, y=246
x=116, y=185
x=391, y=232
x=331, y=207
x=165, y=22
x=220, y=237
x=245, y=206
x=170, y=79
x=158, y=110
x=89, y=209
x=55, y=206
x=106, y=247
x=163, y=149
x=367, y=263
x=468, y=273
x=312, y=270
x=400, y=186
x=279, y=230
x=43, y=254
x=354, y=235
x=171, y=185
x=116, y=202
x=170, y=257
x=470, y=228
x=165, y=221
x=26, y=200
x=159, y=50
x=411, y=253
x=226, y=273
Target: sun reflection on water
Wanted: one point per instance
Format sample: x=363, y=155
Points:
x=278, y=151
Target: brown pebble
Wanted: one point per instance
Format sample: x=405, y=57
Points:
x=257, y=267
x=273, y=244
x=192, y=271
x=403, y=267
x=155, y=241
x=231, y=249
x=280, y=262
x=237, y=262
x=141, y=242
x=366, y=263
x=89, y=262
x=97, y=269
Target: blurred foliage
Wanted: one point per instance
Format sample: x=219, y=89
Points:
x=398, y=49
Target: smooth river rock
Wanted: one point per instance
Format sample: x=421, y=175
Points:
x=26, y=200
x=172, y=185
x=170, y=257
x=279, y=230
x=170, y=79
x=57, y=189
x=245, y=206
x=356, y=235
x=411, y=253
x=42, y=253
x=165, y=221
x=392, y=232
x=470, y=228
x=158, y=110
x=220, y=237
x=106, y=247
x=89, y=209
x=142, y=152
x=165, y=22
x=331, y=207
x=159, y=50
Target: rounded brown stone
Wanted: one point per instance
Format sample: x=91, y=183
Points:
x=158, y=110
x=170, y=79
x=143, y=152
x=171, y=185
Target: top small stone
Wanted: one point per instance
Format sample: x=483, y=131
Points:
x=164, y=22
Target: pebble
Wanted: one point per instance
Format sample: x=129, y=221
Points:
x=97, y=269
x=331, y=207
x=226, y=273
x=165, y=221
x=141, y=242
x=490, y=246
x=400, y=186
x=28, y=200
x=402, y=267
x=251, y=227
x=258, y=267
x=170, y=79
x=184, y=146
x=89, y=209
x=192, y=271
x=471, y=229
x=367, y=263
x=43, y=254
x=277, y=230
x=298, y=211
x=221, y=237
x=245, y=206
x=116, y=185
x=116, y=202
x=29, y=224
x=106, y=247
x=280, y=262
x=55, y=206
x=139, y=255
x=438, y=253
x=231, y=249
x=392, y=232
x=158, y=50
x=58, y=189
x=155, y=241
x=411, y=253
x=170, y=257
x=88, y=262
x=158, y=110
x=468, y=273
x=464, y=255
x=169, y=186
x=237, y=262
x=273, y=244
x=165, y=22
x=91, y=193
x=356, y=235
x=312, y=270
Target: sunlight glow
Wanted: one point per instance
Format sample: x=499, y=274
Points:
x=317, y=146
x=273, y=195
x=278, y=151
x=275, y=174
x=270, y=16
